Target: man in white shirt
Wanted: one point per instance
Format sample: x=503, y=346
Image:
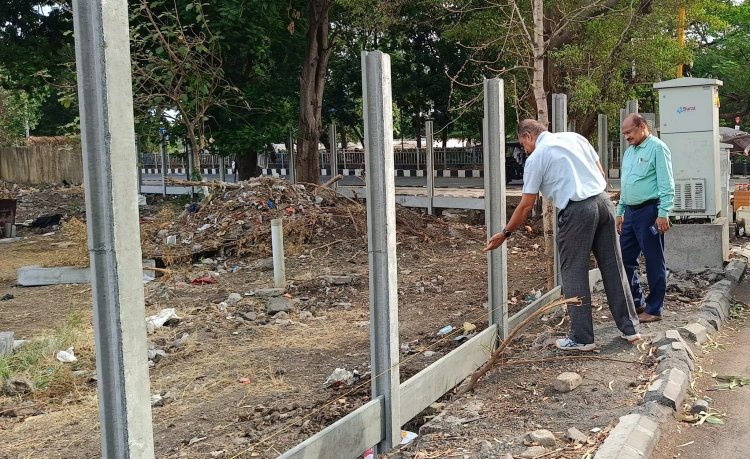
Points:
x=565, y=168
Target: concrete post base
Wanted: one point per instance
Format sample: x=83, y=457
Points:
x=697, y=247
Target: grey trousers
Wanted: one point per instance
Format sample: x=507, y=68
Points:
x=583, y=227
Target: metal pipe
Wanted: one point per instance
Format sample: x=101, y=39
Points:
x=277, y=244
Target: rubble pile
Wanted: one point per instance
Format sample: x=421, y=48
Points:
x=36, y=201
x=236, y=222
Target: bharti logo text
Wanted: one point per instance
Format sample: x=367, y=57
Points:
x=681, y=110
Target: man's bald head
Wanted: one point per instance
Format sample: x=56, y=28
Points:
x=528, y=130
x=635, y=128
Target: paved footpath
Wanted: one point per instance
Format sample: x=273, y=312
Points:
x=732, y=440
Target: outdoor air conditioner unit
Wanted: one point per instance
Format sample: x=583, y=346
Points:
x=690, y=195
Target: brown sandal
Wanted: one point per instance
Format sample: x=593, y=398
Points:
x=646, y=318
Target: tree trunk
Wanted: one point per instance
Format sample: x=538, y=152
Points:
x=312, y=83
x=247, y=166
x=344, y=143
x=418, y=131
x=195, y=151
x=542, y=113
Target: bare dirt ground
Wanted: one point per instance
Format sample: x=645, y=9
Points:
x=236, y=382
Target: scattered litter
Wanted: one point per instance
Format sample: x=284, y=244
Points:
x=428, y=353
x=369, y=454
x=596, y=430
x=66, y=356
x=245, y=380
x=341, y=377
x=160, y=319
x=204, y=280
x=171, y=240
x=469, y=328
x=407, y=437
x=445, y=330
x=204, y=227
x=147, y=278
x=7, y=297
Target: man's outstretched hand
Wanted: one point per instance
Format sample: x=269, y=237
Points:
x=494, y=242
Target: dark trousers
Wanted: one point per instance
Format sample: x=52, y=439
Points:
x=584, y=227
x=637, y=238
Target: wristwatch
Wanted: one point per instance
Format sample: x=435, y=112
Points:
x=506, y=233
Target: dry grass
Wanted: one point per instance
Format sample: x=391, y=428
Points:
x=36, y=252
x=74, y=232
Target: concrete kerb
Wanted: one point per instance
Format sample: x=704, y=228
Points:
x=636, y=434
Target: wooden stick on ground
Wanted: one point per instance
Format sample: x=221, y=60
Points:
x=499, y=351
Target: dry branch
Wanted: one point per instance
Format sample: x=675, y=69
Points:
x=499, y=351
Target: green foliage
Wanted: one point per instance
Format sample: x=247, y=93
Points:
x=722, y=50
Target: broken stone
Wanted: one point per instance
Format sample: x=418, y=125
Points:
x=155, y=355
x=428, y=353
x=18, y=386
x=233, y=298
x=338, y=280
x=250, y=315
x=576, y=436
x=278, y=304
x=305, y=315
x=6, y=343
x=567, y=381
x=269, y=292
x=179, y=341
x=533, y=452
x=694, y=332
x=542, y=436
x=283, y=322
x=281, y=315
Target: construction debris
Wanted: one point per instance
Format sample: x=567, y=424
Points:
x=235, y=221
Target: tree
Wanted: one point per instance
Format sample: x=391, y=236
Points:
x=721, y=37
x=37, y=44
x=319, y=46
x=177, y=67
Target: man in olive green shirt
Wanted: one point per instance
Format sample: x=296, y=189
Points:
x=646, y=199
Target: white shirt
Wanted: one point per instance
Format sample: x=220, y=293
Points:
x=563, y=168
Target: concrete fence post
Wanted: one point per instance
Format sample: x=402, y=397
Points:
x=277, y=247
x=291, y=172
x=559, y=124
x=430, y=167
x=494, y=202
x=107, y=136
x=381, y=238
x=603, y=146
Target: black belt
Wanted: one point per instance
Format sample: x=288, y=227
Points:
x=644, y=204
